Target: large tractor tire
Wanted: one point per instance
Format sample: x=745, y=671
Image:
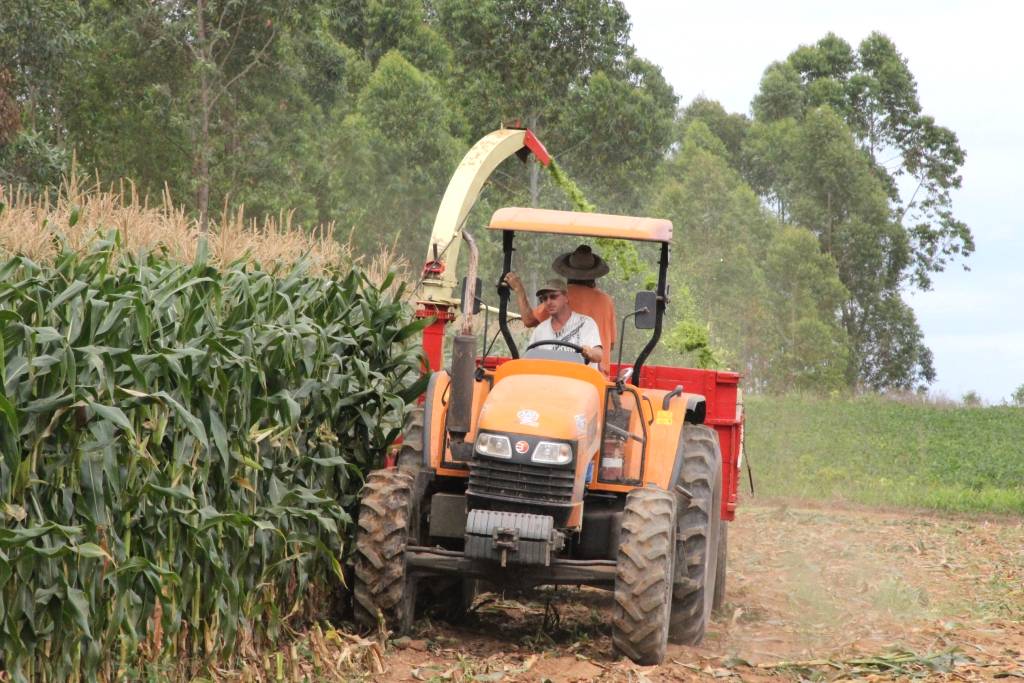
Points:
x=697, y=541
x=723, y=553
x=410, y=455
x=643, y=579
x=387, y=520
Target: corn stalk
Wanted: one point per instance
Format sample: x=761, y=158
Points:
x=179, y=448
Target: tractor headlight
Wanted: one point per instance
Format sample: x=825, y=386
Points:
x=552, y=453
x=493, y=445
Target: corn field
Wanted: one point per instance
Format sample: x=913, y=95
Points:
x=180, y=444
x=42, y=226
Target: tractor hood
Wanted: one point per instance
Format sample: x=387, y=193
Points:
x=554, y=407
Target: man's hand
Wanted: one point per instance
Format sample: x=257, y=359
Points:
x=513, y=281
x=594, y=354
x=525, y=312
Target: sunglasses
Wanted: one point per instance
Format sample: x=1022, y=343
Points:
x=549, y=296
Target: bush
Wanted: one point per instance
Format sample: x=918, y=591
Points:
x=971, y=399
x=180, y=445
x=1017, y=397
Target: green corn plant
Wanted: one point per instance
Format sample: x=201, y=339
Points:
x=179, y=449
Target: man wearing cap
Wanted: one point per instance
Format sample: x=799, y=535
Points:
x=565, y=324
x=582, y=267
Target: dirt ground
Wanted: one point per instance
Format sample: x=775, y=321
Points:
x=813, y=594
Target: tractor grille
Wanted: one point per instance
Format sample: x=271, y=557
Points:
x=520, y=481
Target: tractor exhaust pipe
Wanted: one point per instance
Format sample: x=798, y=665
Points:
x=460, y=406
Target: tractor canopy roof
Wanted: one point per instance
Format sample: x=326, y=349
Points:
x=583, y=224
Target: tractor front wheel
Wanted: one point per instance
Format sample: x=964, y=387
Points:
x=387, y=520
x=643, y=579
x=697, y=542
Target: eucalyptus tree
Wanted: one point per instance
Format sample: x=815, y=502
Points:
x=874, y=91
x=840, y=145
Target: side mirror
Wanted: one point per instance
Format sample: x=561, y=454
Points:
x=646, y=308
x=474, y=297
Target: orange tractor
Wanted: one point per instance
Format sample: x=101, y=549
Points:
x=538, y=469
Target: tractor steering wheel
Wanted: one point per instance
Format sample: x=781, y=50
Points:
x=558, y=342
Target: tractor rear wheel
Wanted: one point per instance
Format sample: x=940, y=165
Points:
x=697, y=540
x=723, y=552
x=643, y=579
x=387, y=520
x=410, y=454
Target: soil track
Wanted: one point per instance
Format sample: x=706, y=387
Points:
x=813, y=594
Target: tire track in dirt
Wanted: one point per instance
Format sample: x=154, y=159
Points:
x=819, y=594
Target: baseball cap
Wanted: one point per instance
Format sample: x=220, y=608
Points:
x=553, y=284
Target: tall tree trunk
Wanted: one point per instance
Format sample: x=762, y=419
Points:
x=534, y=167
x=828, y=234
x=534, y=182
x=202, y=152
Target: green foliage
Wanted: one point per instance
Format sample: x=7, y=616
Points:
x=836, y=129
x=402, y=141
x=971, y=399
x=874, y=91
x=31, y=162
x=567, y=71
x=768, y=294
x=572, y=190
x=1017, y=397
x=811, y=349
x=519, y=60
x=881, y=451
x=39, y=42
x=355, y=113
x=180, y=445
x=730, y=129
x=690, y=337
x=621, y=255
x=615, y=132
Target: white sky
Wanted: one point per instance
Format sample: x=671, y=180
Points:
x=969, y=65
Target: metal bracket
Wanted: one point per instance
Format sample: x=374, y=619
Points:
x=505, y=540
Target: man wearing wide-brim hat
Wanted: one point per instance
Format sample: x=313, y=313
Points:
x=581, y=268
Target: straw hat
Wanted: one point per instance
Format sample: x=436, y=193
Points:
x=582, y=264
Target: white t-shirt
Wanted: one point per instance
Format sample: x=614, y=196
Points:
x=579, y=329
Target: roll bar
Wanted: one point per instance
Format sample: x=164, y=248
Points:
x=659, y=314
x=507, y=239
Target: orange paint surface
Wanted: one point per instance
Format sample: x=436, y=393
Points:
x=582, y=224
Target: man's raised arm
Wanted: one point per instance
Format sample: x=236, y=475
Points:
x=513, y=281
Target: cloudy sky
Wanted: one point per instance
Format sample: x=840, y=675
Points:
x=969, y=64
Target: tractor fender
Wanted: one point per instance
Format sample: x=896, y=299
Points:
x=696, y=412
x=677, y=463
x=436, y=402
x=696, y=409
x=664, y=452
x=436, y=386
